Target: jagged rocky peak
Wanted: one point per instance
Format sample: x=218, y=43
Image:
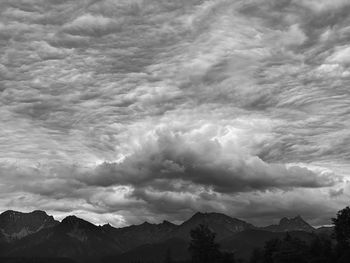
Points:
x=163, y=224
x=145, y=225
x=39, y=213
x=71, y=220
x=13, y=215
x=79, y=228
x=76, y=222
x=107, y=226
x=215, y=217
x=16, y=225
x=291, y=224
x=167, y=223
x=298, y=220
x=201, y=215
x=10, y=212
x=221, y=224
x=36, y=216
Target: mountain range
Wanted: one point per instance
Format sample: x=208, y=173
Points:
x=39, y=235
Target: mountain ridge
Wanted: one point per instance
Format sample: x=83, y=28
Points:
x=81, y=240
x=164, y=222
x=16, y=225
x=223, y=225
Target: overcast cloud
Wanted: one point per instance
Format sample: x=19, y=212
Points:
x=122, y=111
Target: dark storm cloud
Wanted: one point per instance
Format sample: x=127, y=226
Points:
x=123, y=111
x=173, y=162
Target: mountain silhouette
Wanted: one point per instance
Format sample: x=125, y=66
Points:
x=38, y=235
x=290, y=224
x=16, y=225
x=137, y=235
x=221, y=224
x=72, y=238
x=246, y=241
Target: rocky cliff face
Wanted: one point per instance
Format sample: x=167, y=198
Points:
x=72, y=238
x=16, y=225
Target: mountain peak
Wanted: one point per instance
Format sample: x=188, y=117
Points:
x=107, y=225
x=223, y=225
x=39, y=212
x=10, y=213
x=200, y=215
x=290, y=224
x=16, y=225
x=297, y=219
x=73, y=220
x=76, y=226
x=208, y=217
x=283, y=220
x=73, y=238
x=167, y=223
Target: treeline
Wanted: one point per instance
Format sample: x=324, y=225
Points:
x=289, y=249
x=320, y=250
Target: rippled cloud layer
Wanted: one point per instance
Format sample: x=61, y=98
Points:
x=128, y=110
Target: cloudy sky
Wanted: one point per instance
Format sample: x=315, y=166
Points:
x=122, y=111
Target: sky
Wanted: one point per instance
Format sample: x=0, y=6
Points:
x=124, y=111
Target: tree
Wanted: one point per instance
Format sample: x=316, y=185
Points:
x=321, y=250
x=270, y=249
x=342, y=228
x=342, y=234
x=291, y=250
x=203, y=247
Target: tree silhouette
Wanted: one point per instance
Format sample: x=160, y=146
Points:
x=321, y=250
x=203, y=247
x=342, y=228
x=342, y=234
x=291, y=250
x=270, y=249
